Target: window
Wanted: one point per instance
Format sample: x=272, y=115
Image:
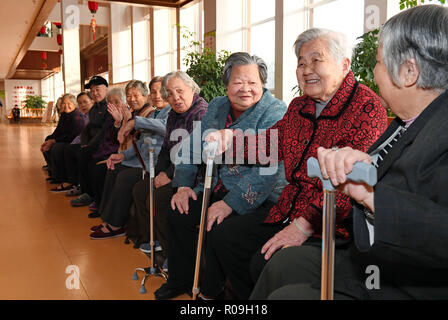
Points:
x=346, y=16
x=191, y=17
x=140, y=38
x=262, y=35
x=165, y=54
x=121, y=42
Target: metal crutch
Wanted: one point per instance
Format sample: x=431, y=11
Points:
x=210, y=151
x=361, y=172
x=152, y=270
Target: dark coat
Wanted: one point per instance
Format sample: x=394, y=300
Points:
x=411, y=215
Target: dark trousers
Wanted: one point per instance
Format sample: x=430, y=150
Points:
x=162, y=200
x=229, y=248
x=96, y=178
x=116, y=198
x=58, y=171
x=84, y=157
x=47, y=157
x=294, y=274
x=71, y=163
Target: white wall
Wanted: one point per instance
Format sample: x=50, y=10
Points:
x=16, y=91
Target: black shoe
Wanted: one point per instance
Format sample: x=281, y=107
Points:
x=164, y=292
x=94, y=214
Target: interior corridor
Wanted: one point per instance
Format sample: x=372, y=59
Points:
x=41, y=234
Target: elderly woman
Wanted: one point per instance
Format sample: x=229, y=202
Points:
x=109, y=144
x=125, y=167
x=399, y=225
x=69, y=126
x=179, y=118
x=63, y=153
x=237, y=190
x=334, y=111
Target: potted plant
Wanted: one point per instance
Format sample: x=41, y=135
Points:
x=205, y=67
x=34, y=105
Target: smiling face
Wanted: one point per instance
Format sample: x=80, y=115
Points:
x=67, y=105
x=156, y=96
x=245, y=88
x=115, y=99
x=179, y=95
x=98, y=92
x=318, y=74
x=135, y=99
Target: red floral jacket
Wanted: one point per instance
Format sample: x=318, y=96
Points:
x=354, y=117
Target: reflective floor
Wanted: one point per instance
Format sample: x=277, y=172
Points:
x=44, y=242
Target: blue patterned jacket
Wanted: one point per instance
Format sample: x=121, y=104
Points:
x=248, y=189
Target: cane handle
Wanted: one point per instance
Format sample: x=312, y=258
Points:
x=362, y=172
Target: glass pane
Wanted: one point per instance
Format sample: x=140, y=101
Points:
x=162, y=65
x=260, y=36
x=162, y=28
x=141, y=71
x=331, y=16
x=261, y=10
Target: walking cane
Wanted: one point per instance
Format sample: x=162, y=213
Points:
x=361, y=172
x=210, y=151
x=152, y=270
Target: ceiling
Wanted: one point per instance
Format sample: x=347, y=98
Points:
x=20, y=21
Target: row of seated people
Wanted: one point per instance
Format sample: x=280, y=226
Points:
x=264, y=222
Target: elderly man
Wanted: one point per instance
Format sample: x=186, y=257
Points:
x=399, y=225
x=92, y=134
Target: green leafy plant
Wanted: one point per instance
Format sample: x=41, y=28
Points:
x=412, y=3
x=34, y=105
x=205, y=66
x=364, y=59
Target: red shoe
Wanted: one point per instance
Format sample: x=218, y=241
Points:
x=99, y=234
x=96, y=228
x=61, y=188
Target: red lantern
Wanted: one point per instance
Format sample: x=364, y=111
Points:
x=43, y=30
x=44, y=65
x=43, y=55
x=93, y=7
x=59, y=39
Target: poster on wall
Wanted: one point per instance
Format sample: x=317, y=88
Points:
x=17, y=90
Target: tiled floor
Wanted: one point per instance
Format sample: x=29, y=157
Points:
x=41, y=235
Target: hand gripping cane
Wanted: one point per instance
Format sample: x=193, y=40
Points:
x=152, y=270
x=210, y=151
x=361, y=172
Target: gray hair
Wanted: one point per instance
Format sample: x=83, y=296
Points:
x=189, y=82
x=420, y=33
x=116, y=91
x=338, y=44
x=242, y=59
x=139, y=85
x=71, y=97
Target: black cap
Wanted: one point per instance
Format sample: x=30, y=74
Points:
x=96, y=80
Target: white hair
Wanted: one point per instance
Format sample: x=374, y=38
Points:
x=338, y=44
